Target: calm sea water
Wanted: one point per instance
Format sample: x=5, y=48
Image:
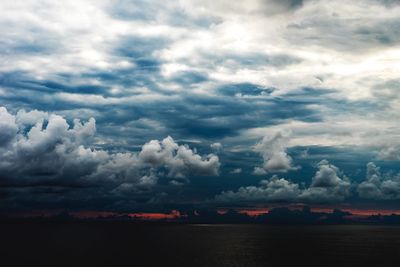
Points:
x=124, y=244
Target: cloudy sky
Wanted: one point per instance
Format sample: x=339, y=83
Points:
x=146, y=105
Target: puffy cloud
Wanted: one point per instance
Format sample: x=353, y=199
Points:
x=179, y=159
x=274, y=189
x=236, y=171
x=131, y=188
x=216, y=146
x=378, y=187
x=51, y=150
x=30, y=118
x=273, y=150
x=259, y=171
x=46, y=150
x=326, y=186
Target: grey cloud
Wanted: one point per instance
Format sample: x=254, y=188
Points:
x=329, y=29
x=259, y=7
x=390, y=153
x=129, y=188
x=387, y=95
x=33, y=40
x=8, y=127
x=326, y=176
x=326, y=186
x=196, y=115
x=236, y=171
x=234, y=60
x=273, y=150
x=179, y=159
x=259, y=171
x=31, y=117
x=280, y=6
x=244, y=89
x=172, y=12
x=189, y=77
x=50, y=150
x=274, y=189
x=388, y=2
x=216, y=146
x=378, y=187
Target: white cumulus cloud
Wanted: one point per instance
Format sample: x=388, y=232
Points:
x=326, y=186
x=273, y=150
x=40, y=147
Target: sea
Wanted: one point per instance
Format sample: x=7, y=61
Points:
x=127, y=244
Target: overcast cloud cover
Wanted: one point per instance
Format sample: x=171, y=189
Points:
x=127, y=104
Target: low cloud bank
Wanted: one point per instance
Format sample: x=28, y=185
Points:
x=42, y=148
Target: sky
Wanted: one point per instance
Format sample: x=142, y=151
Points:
x=167, y=105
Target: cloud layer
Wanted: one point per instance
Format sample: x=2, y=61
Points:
x=248, y=89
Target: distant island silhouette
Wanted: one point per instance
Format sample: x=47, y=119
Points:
x=279, y=215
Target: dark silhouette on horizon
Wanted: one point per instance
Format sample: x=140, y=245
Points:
x=281, y=215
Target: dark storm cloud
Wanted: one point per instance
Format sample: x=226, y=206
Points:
x=23, y=81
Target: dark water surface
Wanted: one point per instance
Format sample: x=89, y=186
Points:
x=124, y=244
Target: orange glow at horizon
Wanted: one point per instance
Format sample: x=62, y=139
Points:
x=253, y=212
x=174, y=214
